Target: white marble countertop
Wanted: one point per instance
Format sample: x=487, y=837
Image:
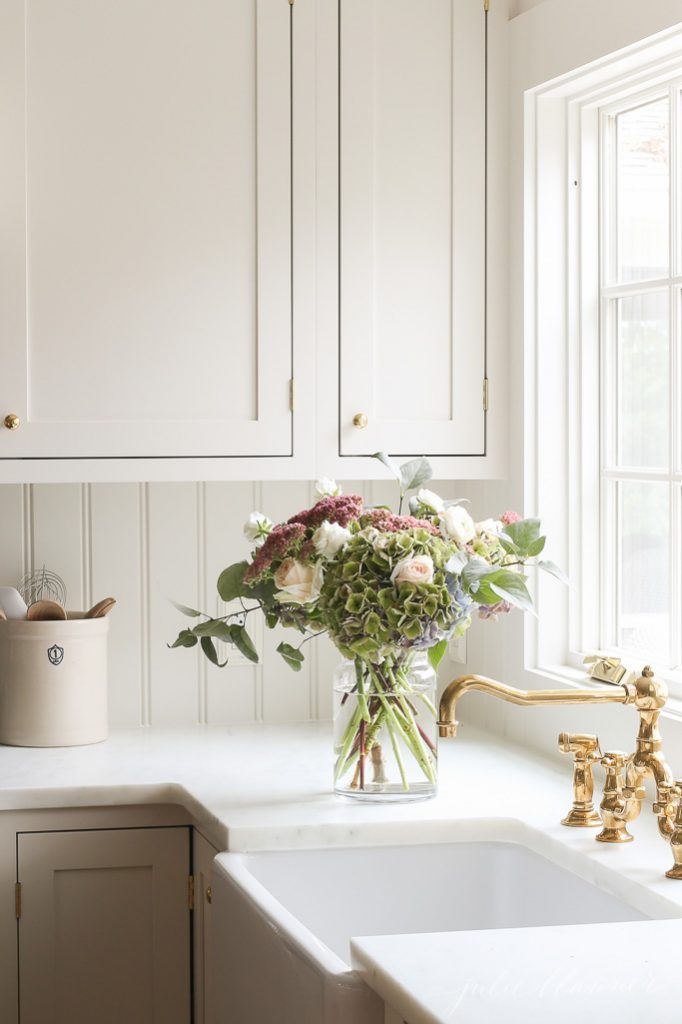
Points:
x=266, y=787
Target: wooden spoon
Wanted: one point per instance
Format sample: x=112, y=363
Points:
x=3, y=617
x=101, y=609
x=45, y=611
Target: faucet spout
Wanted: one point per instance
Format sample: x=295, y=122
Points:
x=447, y=720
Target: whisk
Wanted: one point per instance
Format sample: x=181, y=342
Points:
x=42, y=585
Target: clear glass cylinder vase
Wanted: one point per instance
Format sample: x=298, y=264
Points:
x=385, y=729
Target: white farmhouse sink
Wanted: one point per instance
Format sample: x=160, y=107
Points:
x=289, y=916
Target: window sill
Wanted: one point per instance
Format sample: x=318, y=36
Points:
x=571, y=677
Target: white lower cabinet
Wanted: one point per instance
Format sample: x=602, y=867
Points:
x=104, y=926
x=104, y=917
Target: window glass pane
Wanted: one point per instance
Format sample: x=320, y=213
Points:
x=643, y=380
x=644, y=589
x=642, y=191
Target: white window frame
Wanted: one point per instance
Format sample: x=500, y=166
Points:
x=562, y=333
x=610, y=474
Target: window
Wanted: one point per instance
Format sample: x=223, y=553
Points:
x=602, y=331
x=640, y=485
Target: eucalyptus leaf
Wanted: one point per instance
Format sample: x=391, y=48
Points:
x=415, y=473
x=388, y=462
x=243, y=642
x=191, y=613
x=231, y=581
x=436, y=652
x=293, y=657
x=186, y=638
x=208, y=647
x=553, y=570
x=215, y=628
x=264, y=591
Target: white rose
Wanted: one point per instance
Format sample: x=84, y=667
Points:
x=418, y=569
x=430, y=500
x=456, y=524
x=257, y=527
x=329, y=538
x=488, y=526
x=298, y=583
x=325, y=487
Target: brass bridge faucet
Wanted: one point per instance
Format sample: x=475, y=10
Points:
x=626, y=774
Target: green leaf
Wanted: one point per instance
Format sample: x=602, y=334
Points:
x=553, y=570
x=186, y=638
x=243, y=642
x=436, y=652
x=215, y=628
x=293, y=657
x=191, y=613
x=514, y=590
x=231, y=581
x=523, y=534
x=208, y=647
x=536, y=547
x=414, y=473
x=390, y=465
x=264, y=590
x=508, y=544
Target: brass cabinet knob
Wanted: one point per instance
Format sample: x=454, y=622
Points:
x=209, y=894
x=360, y=420
x=12, y=421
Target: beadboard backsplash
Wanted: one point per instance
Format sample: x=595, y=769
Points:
x=146, y=544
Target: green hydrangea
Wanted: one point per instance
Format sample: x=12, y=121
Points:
x=368, y=615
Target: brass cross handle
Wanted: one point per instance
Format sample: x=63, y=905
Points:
x=360, y=420
x=12, y=421
x=586, y=752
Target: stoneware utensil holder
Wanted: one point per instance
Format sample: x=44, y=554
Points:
x=53, y=682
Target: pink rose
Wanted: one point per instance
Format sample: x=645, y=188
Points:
x=418, y=569
x=510, y=517
x=298, y=583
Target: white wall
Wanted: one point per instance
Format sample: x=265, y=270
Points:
x=146, y=543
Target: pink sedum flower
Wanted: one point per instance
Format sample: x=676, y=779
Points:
x=341, y=509
x=387, y=522
x=510, y=517
x=276, y=546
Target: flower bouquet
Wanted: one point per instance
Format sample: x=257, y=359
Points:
x=391, y=591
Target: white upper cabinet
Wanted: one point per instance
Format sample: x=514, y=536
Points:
x=210, y=206
x=145, y=228
x=412, y=82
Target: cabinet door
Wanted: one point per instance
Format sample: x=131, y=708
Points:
x=104, y=927
x=412, y=226
x=145, y=228
x=202, y=867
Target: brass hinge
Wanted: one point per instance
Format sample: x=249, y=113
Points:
x=292, y=394
x=485, y=394
x=17, y=900
x=190, y=892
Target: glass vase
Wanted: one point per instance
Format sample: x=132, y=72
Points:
x=385, y=731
